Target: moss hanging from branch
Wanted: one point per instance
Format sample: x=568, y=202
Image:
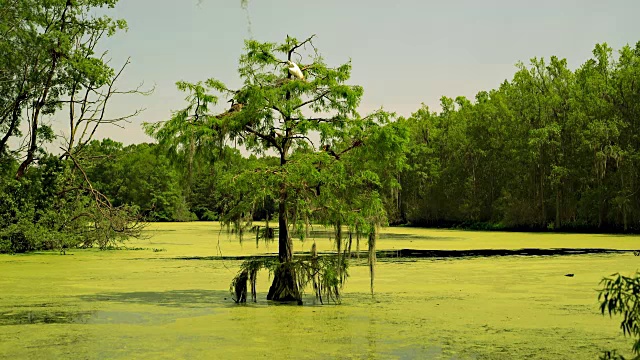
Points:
x=373, y=236
x=326, y=274
x=338, y=238
x=248, y=272
x=357, y=243
x=315, y=278
x=239, y=287
x=267, y=234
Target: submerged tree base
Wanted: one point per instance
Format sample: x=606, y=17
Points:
x=284, y=287
x=326, y=274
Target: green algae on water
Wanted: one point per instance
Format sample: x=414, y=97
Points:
x=145, y=304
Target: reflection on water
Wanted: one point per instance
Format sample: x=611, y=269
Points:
x=44, y=317
x=172, y=298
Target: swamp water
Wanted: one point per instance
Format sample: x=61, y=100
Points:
x=174, y=303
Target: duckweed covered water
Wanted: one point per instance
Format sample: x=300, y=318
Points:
x=152, y=304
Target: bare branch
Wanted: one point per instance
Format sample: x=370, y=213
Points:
x=308, y=40
x=323, y=94
x=270, y=139
x=318, y=120
x=94, y=116
x=303, y=137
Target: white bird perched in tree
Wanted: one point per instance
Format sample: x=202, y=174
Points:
x=295, y=70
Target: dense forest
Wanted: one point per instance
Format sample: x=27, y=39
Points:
x=550, y=149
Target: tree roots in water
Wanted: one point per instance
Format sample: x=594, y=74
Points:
x=325, y=274
x=285, y=287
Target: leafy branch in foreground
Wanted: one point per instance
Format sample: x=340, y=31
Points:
x=621, y=295
x=50, y=64
x=55, y=207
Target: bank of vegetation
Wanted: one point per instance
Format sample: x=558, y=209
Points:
x=551, y=149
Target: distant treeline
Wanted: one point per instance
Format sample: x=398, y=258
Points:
x=550, y=149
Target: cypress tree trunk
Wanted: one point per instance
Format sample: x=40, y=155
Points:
x=284, y=287
x=357, y=242
x=373, y=235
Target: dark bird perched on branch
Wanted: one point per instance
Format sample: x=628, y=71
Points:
x=235, y=106
x=330, y=151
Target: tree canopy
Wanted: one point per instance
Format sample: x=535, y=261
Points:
x=49, y=65
x=334, y=179
x=551, y=149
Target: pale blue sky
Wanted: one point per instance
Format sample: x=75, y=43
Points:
x=404, y=52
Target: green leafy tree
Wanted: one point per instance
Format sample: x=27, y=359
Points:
x=551, y=149
x=276, y=112
x=50, y=61
x=54, y=207
x=137, y=175
x=49, y=64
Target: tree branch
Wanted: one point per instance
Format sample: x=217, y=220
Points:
x=303, y=137
x=308, y=40
x=268, y=138
x=318, y=120
x=355, y=144
x=325, y=93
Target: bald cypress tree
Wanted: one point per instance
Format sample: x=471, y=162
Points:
x=332, y=179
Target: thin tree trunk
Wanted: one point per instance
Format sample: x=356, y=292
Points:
x=15, y=116
x=624, y=203
x=558, y=197
x=33, y=145
x=357, y=242
x=600, y=206
x=339, y=245
x=543, y=210
x=373, y=235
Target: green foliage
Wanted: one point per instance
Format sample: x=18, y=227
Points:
x=52, y=208
x=338, y=181
x=551, y=149
x=138, y=176
x=326, y=275
x=49, y=64
x=621, y=295
x=48, y=61
x=274, y=112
